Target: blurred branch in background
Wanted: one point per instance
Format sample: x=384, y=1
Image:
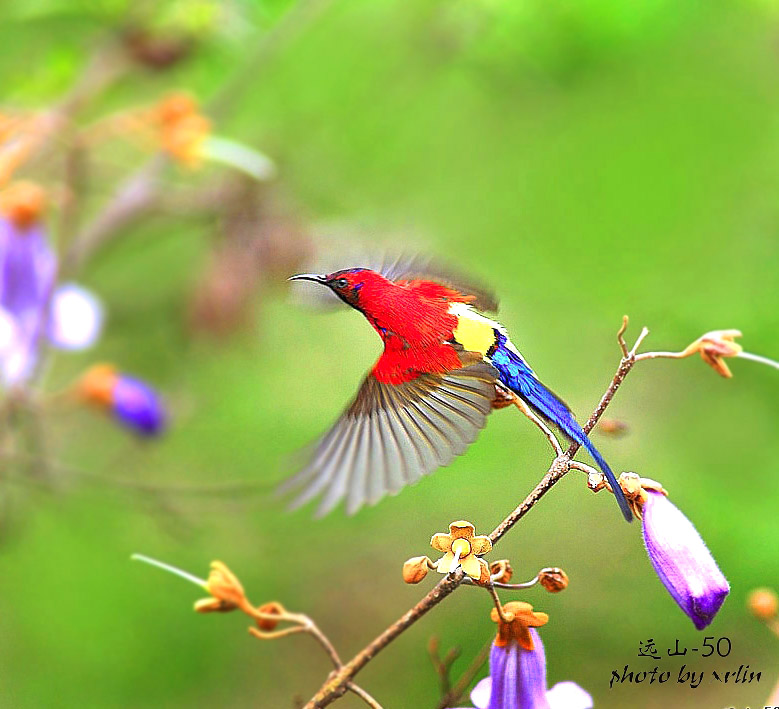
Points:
x=257, y=238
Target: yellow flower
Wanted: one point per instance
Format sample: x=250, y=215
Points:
x=518, y=616
x=462, y=548
x=715, y=345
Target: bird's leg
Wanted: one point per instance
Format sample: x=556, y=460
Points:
x=503, y=397
x=525, y=409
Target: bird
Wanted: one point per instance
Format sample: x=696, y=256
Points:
x=429, y=394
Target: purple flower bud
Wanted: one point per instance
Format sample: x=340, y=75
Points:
x=682, y=561
x=138, y=406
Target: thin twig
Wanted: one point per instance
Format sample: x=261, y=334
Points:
x=496, y=601
x=663, y=355
x=362, y=694
x=324, y=641
x=583, y=467
x=501, y=584
x=525, y=409
x=621, y=335
x=336, y=685
x=442, y=667
x=466, y=678
x=276, y=634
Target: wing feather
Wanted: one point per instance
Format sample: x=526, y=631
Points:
x=415, y=267
x=392, y=435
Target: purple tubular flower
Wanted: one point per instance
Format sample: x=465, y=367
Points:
x=518, y=681
x=30, y=305
x=27, y=272
x=138, y=406
x=682, y=561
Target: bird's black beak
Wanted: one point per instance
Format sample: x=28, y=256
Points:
x=309, y=277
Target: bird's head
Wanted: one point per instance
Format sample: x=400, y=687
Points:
x=347, y=283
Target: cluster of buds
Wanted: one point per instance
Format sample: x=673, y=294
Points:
x=462, y=549
x=226, y=594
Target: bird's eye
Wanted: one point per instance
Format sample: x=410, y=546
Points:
x=341, y=283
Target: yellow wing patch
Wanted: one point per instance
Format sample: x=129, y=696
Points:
x=474, y=332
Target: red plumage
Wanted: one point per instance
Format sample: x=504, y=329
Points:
x=424, y=401
x=412, y=318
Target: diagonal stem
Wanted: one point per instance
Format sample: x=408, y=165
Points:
x=337, y=684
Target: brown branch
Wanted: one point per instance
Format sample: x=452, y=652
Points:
x=337, y=684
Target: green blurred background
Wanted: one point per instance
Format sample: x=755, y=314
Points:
x=588, y=159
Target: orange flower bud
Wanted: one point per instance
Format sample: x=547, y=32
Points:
x=272, y=608
x=763, y=603
x=415, y=569
x=553, y=580
x=501, y=571
x=97, y=384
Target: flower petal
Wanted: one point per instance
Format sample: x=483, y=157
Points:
x=445, y=563
x=481, y=545
x=480, y=696
x=17, y=353
x=682, y=561
x=441, y=542
x=76, y=317
x=471, y=566
x=568, y=695
x=462, y=529
x=518, y=676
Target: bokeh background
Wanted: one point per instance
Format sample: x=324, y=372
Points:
x=588, y=159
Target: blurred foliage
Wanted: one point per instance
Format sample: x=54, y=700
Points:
x=589, y=159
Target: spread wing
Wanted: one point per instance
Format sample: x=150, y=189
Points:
x=409, y=268
x=391, y=435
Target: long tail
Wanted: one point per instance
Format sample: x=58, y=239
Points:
x=546, y=403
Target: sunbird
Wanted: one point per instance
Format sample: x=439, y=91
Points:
x=429, y=394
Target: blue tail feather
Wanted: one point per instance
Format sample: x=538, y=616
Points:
x=517, y=376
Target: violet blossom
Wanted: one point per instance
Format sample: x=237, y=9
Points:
x=518, y=668
x=681, y=560
x=32, y=306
